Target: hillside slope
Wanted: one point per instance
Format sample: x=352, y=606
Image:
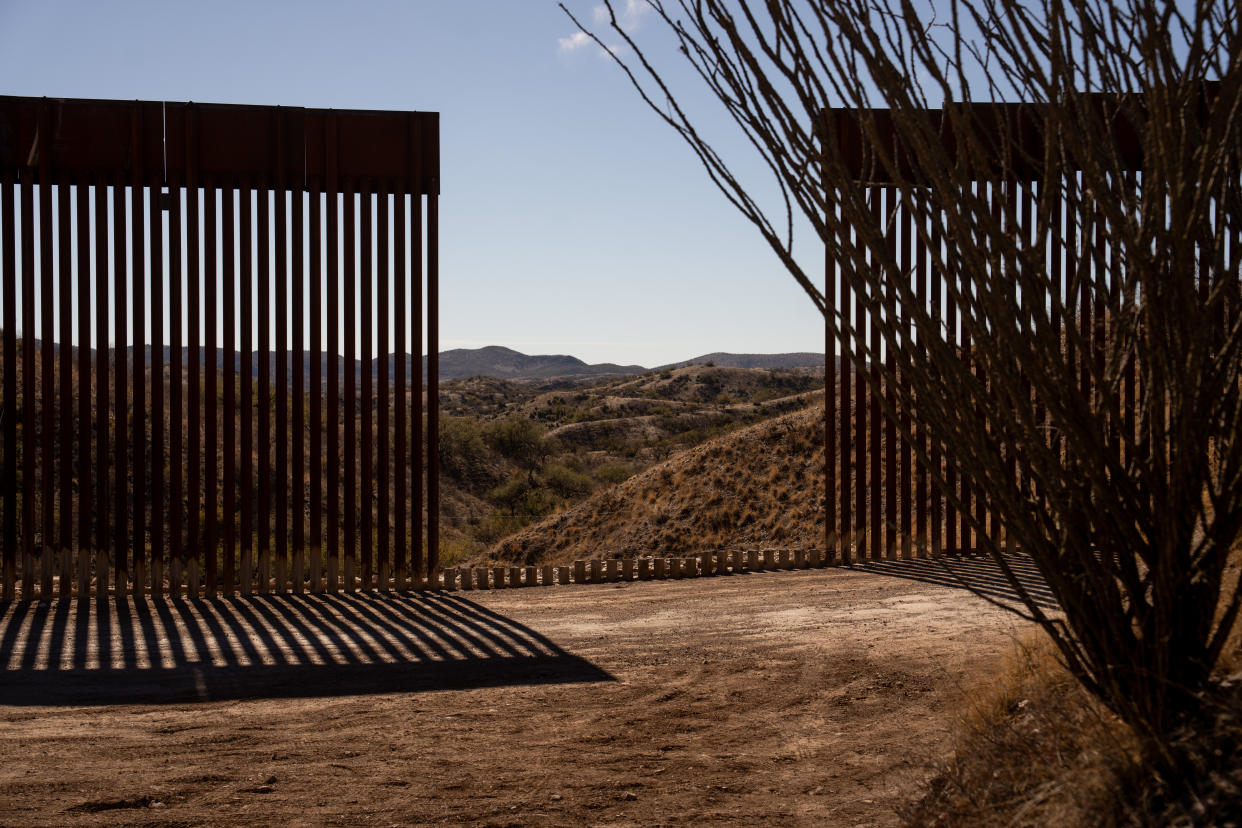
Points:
x=761, y=486
x=800, y=359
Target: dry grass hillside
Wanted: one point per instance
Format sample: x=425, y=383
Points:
x=757, y=487
x=512, y=454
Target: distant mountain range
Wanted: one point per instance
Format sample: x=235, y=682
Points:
x=507, y=364
x=795, y=360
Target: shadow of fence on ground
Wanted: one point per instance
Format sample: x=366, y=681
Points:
x=977, y=574
x=158, y=651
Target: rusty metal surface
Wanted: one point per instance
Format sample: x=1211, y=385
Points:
x=138, y=355
x=82, y=250
x=831, y=290
x=914, y=531
x=366, y=405
x=923, y=533
x=159, y=519
x=433, y=383
x=263, y=435
x=246, y=305
x=316, y=296
x=995, y=140
x=846, y=426
x=902, y=495
x=401, y=405
x=211, y=381
x=297, y=436
x=333, y=277
x=47, y=379
x=890, y=424
x=120, y=380
x=102, y=429
x=65, y=366
x=229, y=380
x=8, y=476
x=417, y=476
x=350, y=412
x=268, y=145
x=383, y=537
x=139, y=442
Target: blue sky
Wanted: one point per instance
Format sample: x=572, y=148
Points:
x=572, y=220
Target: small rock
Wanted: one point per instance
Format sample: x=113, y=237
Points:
x=557, y=797
x=264, y=789
x=155, y=803
x=271, y=780
x=629, y=796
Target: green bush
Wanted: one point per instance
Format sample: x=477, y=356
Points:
x=463, y=453
x=613, y=473
x=519, y=439
x=566, y=482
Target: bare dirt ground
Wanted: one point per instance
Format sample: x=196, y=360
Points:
x=794, y=698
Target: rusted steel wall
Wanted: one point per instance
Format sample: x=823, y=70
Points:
x=178, y=285
x=883, y=501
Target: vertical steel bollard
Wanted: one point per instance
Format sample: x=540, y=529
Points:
x=562, y=575
x=546, y=575
x=627, y=569
x=579, y=572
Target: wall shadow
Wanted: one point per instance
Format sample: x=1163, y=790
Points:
x=977, y=574
x=166, y=651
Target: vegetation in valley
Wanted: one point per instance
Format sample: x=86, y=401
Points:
x=512, y=454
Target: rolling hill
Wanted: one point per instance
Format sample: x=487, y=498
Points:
x=758, y=487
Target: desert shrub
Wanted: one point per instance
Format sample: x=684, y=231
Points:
x=520, y=498
x=520, y=440
x=1130, y=527
x=613, y=473
x=566, y=482
x=1035, y=748
x=463, y=454
x=1031, y=747
x=498, y=524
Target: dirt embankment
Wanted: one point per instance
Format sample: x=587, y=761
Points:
x=758, y=487
x=817, y=697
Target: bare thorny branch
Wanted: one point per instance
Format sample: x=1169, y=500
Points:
x=1074, y=271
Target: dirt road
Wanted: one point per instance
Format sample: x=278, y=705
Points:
x=795, y=698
